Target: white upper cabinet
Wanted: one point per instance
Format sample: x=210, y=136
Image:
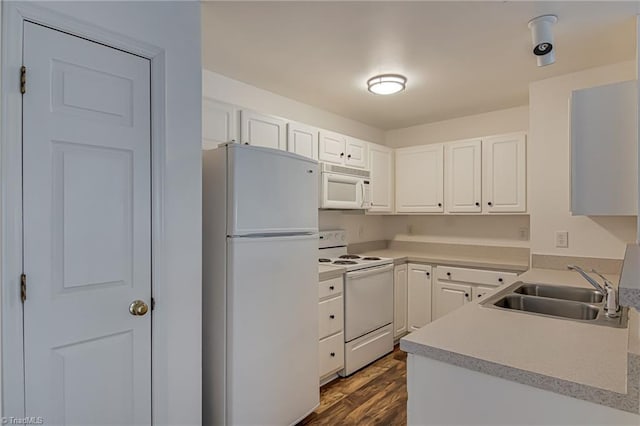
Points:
x=504, y=176
x=332, y=147
x=381, y=166
x=262, y=130
x=219, y=123
x=302, y=140
x=604, y=150
x=419, y=179
x=356, y=153
x=463, y=184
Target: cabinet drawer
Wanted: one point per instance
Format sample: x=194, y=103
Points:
x=476, y=276
x=331, y=354
x=331, y=287
x=330, y=316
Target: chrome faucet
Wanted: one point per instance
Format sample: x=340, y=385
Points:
x=610, y=294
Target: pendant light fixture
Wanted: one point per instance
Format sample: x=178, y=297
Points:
x=387, y=84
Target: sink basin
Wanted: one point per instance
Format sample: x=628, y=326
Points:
x=576, y=294
x=546, y=306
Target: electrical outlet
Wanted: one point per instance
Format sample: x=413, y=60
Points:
x=562, y=239
x=523, y=233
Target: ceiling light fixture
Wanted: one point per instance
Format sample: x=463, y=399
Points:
x=387, y=84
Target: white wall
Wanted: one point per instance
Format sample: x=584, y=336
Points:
x=225, y=89
x=549, y=170
x=490, y=123
x=175, y=28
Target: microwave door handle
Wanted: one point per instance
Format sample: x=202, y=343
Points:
x=362, y=192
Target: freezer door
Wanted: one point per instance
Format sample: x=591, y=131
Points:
x=272, y=330
x=271, y=192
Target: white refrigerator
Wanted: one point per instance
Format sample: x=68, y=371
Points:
x=260, y=286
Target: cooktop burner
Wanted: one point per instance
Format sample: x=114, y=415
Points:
x=371, y=258
x=345, y=262
x=349, y=256
x=324, y=260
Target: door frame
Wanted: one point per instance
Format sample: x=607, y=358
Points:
x=14, y=15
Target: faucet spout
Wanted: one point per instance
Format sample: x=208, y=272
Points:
x=586, y=276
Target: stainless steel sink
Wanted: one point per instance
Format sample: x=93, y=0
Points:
x=576, y=294
x=546, y=306
x=554, y=301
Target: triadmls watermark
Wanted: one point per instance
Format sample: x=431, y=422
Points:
x=34, y=420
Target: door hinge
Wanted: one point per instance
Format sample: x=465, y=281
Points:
x=23, y=79
x=153, y=303
x=23, y=287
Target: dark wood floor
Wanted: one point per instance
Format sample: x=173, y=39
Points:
x=375, y=395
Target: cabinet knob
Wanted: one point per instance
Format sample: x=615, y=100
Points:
x=448, y=274
x=331, y=287
x=428, y=273
x=342, y=154
x=479, y=296
x=500, y=280
x=466, y=295
x=332, y=316
x=439, y=204
x=332, y=354
x=349, y=156
x=478, y=204
x=490, y=203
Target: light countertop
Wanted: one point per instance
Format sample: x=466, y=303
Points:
x=327, y=272
x=401, y=256
x=565, y=356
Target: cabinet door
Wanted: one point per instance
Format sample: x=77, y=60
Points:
x=302, y=140
x=332, y=147
x=219, y=123
x=504, y=176
x=480, y=292
x=449, y=297
x=381, y=165
x=604, y=150
x=262, y=130
x=356, y=153
x=419, y=179
x=400, y=301
x=463, y=176
x=419, y=296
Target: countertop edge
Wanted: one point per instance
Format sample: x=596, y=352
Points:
x=629, y=402
x=462, y=262
x=629, y=288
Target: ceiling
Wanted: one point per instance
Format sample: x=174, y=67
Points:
x=460, y=58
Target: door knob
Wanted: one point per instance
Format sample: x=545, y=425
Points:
x=138, y=308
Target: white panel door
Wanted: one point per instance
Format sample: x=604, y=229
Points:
x=262, y=130
x=449, y=297
x=400, y=301
x=504, y=176
x=219, y=123
x=419, y=296
x=381, y=166
x=272, y=330
x=87, y=231
x=270, y=191
x=332, y=147
x=356, y=153
x=463, y=176
x=419, y=179
x=302, y=140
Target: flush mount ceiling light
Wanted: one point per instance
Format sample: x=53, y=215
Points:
x=387, y=84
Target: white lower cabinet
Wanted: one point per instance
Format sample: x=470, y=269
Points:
x=454, y=287
x=400, y=301
x=418, y=296
x=331, y=326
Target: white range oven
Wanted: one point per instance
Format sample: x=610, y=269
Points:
x=368, y=301
x=344, y=188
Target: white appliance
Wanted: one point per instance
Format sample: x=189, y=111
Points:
x=344, y=188
x=368, y=301
x=260, y=286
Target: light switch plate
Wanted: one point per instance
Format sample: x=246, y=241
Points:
x=562, y=239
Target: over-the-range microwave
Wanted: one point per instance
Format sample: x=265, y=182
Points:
x=344, y=188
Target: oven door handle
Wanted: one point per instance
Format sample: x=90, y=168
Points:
x=371, y=271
